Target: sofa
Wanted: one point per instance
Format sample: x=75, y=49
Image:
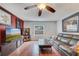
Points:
x=65, y=43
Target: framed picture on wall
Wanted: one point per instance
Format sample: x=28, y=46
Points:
x=5, y=18
x=38, y=29
x=70, y=24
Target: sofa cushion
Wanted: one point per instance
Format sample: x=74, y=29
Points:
x=73, y=42
x=66, y=48
x=65, y=40
x=58, y=38
x=57, y=42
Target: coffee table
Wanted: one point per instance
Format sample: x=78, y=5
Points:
x=45, y=46
x=47, y=49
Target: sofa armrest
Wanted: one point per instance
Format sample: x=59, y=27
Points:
x=67, y=50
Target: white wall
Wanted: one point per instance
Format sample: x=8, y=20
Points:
x=50, y=28
x=59, y=26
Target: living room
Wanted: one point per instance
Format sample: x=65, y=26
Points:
x=33, y=31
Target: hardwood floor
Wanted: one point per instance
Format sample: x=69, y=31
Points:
x=31, y=48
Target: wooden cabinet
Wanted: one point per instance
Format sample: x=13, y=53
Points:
x=13, y=21
x=17, y=23
x=22, y=26
x=2, y=33
x=26, y=34
x=10, y=47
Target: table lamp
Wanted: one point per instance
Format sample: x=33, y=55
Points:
x=77, y=50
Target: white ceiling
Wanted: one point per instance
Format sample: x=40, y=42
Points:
x=62, y=10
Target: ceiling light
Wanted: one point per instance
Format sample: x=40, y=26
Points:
x=41, y=6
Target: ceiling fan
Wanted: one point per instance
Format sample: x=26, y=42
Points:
x=41, y=7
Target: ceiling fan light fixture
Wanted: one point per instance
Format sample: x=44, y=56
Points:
x=41, y=6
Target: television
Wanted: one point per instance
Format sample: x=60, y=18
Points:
x=12, y=34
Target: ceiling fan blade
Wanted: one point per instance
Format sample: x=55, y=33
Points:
x=29, y=7
x=50, y=9
x=40, y=12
